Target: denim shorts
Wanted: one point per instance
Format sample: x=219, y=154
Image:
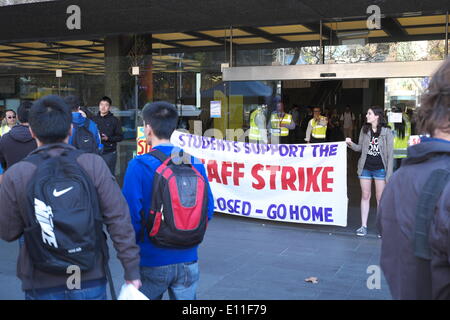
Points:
x=376, y=174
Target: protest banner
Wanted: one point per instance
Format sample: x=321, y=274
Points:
x=301, y=183
x=142, y=147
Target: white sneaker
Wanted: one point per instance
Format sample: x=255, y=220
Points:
x=362, y=232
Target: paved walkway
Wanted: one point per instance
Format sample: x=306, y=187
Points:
x=243, y=258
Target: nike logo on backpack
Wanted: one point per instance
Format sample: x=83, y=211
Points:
x=60, y=193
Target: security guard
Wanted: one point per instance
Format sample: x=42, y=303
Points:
x=258, y=130
x=317, y=128
x=280, y=123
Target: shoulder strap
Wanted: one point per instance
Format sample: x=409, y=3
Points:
x=425, y=210
x=179, y=158
x=161, y=156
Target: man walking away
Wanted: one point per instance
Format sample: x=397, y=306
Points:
x=110, y=131
x=85, y=135
x=18, y=142
x=168, y=260
x=42, y=195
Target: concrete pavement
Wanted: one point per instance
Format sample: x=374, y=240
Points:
x=243, y=258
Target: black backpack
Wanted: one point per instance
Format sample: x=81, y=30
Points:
x=425, y=210
x=64, y=225
x=179, y=211
x=426, y=207
x=83, y=139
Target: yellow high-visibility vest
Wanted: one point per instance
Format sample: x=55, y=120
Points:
x=255, y=132
x=276, y=121
x=319, y=131
x=4, y=129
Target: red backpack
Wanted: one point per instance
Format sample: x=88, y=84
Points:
x=179, y=211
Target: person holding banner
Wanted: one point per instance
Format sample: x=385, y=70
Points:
x=376, y=144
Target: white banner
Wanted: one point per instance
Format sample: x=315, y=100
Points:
x=304, y=183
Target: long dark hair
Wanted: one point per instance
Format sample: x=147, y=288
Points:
x=382, y=123
x=399, y=127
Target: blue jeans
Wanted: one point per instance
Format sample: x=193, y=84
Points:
x=94, y=293
x=180, y=280
x=376, y=174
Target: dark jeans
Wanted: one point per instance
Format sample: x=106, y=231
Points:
x=110, y=159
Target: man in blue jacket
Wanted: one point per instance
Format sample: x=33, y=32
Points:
x=79, y=118
x=162, y=269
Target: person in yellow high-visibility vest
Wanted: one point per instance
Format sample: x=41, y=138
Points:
x=258, y=123
x=401, y=132
x=317, y=128
x=280, y=123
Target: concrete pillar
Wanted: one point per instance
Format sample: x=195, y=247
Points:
x=115, y=66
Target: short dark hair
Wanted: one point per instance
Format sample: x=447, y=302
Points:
x=73, y=102
x=107, y=99
x=434, y=112
x=10, y=110
x=162, y=118
x=50, y=119
x=23, y=111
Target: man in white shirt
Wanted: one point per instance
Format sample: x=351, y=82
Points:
x=348, y=122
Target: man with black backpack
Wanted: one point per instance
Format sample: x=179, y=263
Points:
x=170, y=204
x=59, y=198
x=85, y=135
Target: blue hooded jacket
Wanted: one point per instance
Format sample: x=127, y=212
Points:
x=79, y=120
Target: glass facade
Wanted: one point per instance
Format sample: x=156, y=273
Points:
x=191, y=78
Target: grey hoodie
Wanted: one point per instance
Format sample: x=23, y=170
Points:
x=409, y=277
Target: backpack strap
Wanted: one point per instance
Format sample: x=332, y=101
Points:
x=161, y=156
x=177, y=158
x=425, y=210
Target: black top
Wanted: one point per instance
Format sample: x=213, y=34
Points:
x=373, y=160
x=111, y=127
